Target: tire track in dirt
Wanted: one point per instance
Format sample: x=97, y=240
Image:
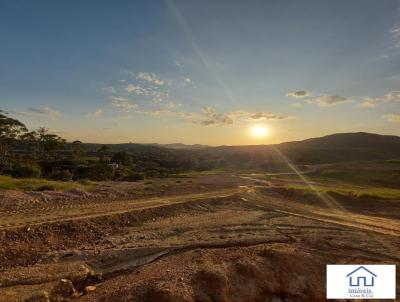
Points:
x=31, y=216
x=347, y=219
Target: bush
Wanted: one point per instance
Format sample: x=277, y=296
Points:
x=26, y=171
x=122, y=158
x=45, y=188
x=134, y=176
x=63, y=175
x=152, y=173
x=97, y=172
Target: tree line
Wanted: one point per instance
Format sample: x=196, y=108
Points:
x=39, y=153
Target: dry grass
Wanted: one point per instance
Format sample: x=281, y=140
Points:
x=377, y=192
x=33, y=184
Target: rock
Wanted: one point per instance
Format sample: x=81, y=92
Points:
x=63, y=289
x=90, y=288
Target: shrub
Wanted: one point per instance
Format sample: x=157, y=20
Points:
x=97, y=172
x=152, y=173
x=63, y=175
x=122, y=158
x=134, y=176
x=26, y=171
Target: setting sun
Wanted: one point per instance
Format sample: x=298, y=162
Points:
x=259, y=131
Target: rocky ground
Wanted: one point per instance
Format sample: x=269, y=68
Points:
x=210, y=238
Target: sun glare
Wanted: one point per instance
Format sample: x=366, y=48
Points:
x=259, y=131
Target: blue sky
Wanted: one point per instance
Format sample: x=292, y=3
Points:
x=201, y=71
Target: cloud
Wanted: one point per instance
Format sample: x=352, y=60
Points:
x=298, y=94
x=109, y=89
x=45, y=111
x=40, y=111
x=323, y=100
x=124, y=104
x=267, y=116
x=96, y=113
x=395, y=32
x=393, y=96
x=136, y=89
x=372, y=102
x=212, y=117
x=328, y=100
x=150, y=77
x=177, y=63
x=392, y=117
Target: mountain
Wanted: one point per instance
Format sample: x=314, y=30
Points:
x=343, y=147
x=340, y=147
x=181, y=146
x=358, y=140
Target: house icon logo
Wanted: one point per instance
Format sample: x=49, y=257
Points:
x=361, y=277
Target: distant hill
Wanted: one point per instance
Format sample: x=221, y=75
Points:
x=358, y=140
x=181, y=146
x=338, y=147
x=343, y=147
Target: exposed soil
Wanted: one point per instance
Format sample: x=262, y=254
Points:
x=220, y=238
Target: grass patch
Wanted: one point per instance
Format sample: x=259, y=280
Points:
x=34, y=184
x=357, y=192
x=196, y=173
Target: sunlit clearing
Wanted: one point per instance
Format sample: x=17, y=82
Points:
x=259, y=131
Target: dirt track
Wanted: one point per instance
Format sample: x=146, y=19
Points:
x=104, y=243
x=55, y=213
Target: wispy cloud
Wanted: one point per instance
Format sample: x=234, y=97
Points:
x=152, y=97
x=393, y=96
x=268, y=116
x=150, y=77
x=392, y=117
x=131, y=88
x=298, y=94
x=124, y=104
x=395, y=32
x=328, y=100
x=212, y=117
x=109, y=89
x=45, y=111
x=98, y=112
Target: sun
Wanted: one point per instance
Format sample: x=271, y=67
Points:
x=259, y=131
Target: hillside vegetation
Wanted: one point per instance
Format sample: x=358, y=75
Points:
x=41, y=154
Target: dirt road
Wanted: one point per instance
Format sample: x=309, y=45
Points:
x=90, y=209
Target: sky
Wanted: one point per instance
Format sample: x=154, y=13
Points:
x=204, y=72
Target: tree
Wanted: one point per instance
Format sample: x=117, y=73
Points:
x=31, y=139
x=102, y=150
x=77, y=149
x=49, y=143
x=10, y=130
x=122, y=158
